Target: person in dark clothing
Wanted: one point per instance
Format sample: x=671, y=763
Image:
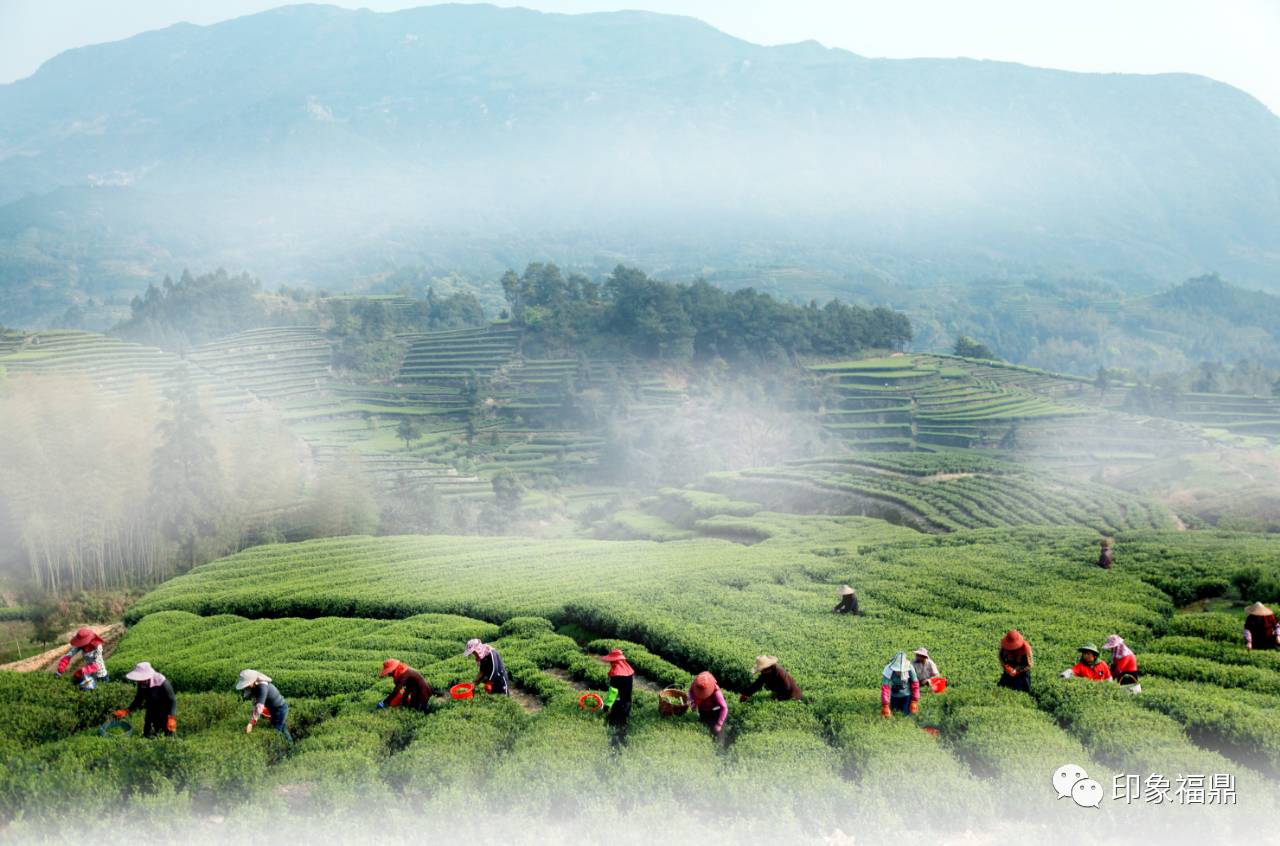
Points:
x=267, y=702
x=1260, y=628
x=771, y=675
x=617, y=702
x=155, y=693
x=411, y=690
x=1105, y=557
x=848, y=602
x=491, y=671
x=1016, y=661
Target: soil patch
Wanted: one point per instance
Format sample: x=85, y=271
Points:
x=526, y=700
x=110, y=635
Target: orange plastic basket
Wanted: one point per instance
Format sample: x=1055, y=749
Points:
x=590, y=702
x=938, y=684
x=465, y=690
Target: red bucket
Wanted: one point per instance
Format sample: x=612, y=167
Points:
x=465, y=690
x=590, y=702
x=938, y=684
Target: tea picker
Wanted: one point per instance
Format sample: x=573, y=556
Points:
x=1105, y=555
x=492, y=672
x=155, y=693
x=899, y=687
x=411, y=689
x=87, y=644
x=848, y=602
x=1016, y=661
x=617, y=701
x=926, y=670
x=707, y=700
x=267, y=701
x=1260, y=628
x=1124, y=664
x=1089, y=667
x=770, y=674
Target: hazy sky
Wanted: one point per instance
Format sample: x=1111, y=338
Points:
x=1231, y=40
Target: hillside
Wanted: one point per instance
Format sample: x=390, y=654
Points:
x=448, y=135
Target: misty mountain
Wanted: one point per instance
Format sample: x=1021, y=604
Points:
x=310, y=141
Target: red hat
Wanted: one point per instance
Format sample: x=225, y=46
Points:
x=83, y=637
x=704, y=684
x=390, y=666
x=1013, y=640
x=617, y=662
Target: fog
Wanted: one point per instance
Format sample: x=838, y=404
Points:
x=303, y=142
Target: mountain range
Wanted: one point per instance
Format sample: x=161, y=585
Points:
x=318, y=144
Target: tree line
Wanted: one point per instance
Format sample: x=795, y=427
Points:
x=194, y=310
x=648, y=318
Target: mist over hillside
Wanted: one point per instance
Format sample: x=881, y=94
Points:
x=310, y=142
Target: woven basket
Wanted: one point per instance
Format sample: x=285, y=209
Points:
x=671, y=709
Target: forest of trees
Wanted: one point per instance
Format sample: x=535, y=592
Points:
x=195, y=310
x=364, y=328
x=150, y=488
x=683, y=322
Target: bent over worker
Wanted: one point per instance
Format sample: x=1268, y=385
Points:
x=1124, y=664
x=86, y=643
x=1016, y=661
x=267, y=702
x=155, y=693
x=924, y=666
x=848, y=603
x=707, y=701
x=412, y=690
x=490, y=670
x=770, y=674
x=1088, y=666
x=617, y=702
x=899, y=687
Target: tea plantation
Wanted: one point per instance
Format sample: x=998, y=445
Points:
x=321, y=616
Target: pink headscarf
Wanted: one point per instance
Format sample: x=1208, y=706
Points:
x=1119, y=649
x=478, y=648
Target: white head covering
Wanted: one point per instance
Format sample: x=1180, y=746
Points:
x=248, y=678
x=901, y=665
x=144, y=673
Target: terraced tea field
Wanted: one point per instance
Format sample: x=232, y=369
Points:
x=321, y=616
x=945, y=491
x=909, y=401
x=116, y=365
x=270, y=363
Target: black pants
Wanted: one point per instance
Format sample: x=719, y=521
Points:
x=1021, y=682
x=156, y=722
x=617, y=720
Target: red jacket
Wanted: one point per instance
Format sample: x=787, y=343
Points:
x=1098, y=672
x=1127, y=664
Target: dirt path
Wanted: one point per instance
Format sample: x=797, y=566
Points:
x=943, y=477
x=526, y=700
x=110, y=635
x=639, y=682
